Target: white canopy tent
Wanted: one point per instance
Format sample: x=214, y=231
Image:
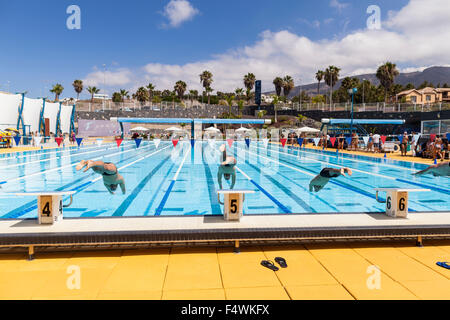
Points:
x=308, y=130
x=174, y=129
x=242, y=129
x=139, y=129
x=212, y=129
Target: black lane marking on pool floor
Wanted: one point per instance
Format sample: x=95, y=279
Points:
x=27, y=207
x=215, y=206
x=157, y=190
x=127, y=202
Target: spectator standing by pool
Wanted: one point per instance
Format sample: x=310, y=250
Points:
x=404, y=144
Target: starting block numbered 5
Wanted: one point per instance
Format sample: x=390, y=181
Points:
x=233, y=203
x=50, y=206
x=397, y=200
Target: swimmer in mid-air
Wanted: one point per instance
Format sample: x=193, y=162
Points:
x=111, y=177
x=227, y=168
x=324, y=177
x=437, y=170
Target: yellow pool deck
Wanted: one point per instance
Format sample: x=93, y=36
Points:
x=315, y=272
x=361, y=271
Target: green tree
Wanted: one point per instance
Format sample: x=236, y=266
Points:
x=249, y=83
x=288, y=85
x=319, y=76
x=141, y=95
x=386, y=74
x=278, y=83
x=92, y=91
x=57, y=90
x=275, y=101
x=150, y=88
x=117, y=97
x=206, y=79
x=78, y=87
x=229, y=100
x=123, y=93
x=180, y=88
x=331, y=77
x=239, y=93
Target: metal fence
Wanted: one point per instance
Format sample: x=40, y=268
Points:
x=133, y=106
x=379, y=106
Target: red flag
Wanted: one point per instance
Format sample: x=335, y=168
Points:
x=333, y=140
x=383, y=139
x=432, y=137
x=119, y=142
x=230, y=142
x=59, y=140
x=175, y=142
x=283, y=142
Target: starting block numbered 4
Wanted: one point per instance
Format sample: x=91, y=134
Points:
x=397, y=200
x=50, y=206
x=233, y=203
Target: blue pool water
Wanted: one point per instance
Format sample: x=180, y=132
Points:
x=168, y=181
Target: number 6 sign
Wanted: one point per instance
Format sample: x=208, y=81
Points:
x=397, y=201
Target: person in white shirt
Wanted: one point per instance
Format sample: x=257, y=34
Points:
x=376, y=142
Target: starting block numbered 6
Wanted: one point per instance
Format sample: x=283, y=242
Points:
x=397, y=200
x=233, y=203
x=50, y=206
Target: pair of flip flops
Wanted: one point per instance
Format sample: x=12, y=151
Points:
x=270, y=265
x=445, y=265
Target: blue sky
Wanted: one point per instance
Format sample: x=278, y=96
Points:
x=138, y=44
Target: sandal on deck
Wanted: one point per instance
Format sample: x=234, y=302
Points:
x=443, y=265
x=281, y=262
x=269, y=265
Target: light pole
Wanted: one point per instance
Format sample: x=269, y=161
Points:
x=363, y=94
x=300, y=96
x=104, y=86
x=352, y=92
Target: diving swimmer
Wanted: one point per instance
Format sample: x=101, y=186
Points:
x=226, y=168
x=324, y=177
x=111, y=177
x=437, y=170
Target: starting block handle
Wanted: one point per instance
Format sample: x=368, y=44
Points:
x=70, y=203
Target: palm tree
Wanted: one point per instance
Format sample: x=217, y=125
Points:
x=278, y=83
x=229, y=99
x=206, y=81
x=123, y=94
x=275, y=102
x=141, y=95
x=180, y=88
x=331, y=78
x=319, y=76
x=386, y=74
x=239, y=92
x=249, y=83
x=57, y=90
x=92, y=91
x=78, y=87
x=208, y=92
x=150, y=88
x=288, y=85
x=193, y=94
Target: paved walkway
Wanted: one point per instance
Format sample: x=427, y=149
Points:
x=314, y=272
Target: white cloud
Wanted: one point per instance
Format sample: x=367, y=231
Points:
x=120, y=77
x=179, y=11
x=338, y=5
x=409, y=38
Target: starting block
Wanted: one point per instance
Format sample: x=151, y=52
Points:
x=233, y=203
x=397, y=200
x=50, y=206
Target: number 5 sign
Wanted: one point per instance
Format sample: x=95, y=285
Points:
x=233, y=203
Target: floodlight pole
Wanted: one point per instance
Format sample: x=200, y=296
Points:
x=352, y=92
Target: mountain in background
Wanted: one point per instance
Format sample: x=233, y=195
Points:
x=435, y=75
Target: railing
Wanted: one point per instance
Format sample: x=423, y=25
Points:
x=133, y=106
x=379, y=106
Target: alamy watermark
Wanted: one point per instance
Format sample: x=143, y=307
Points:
x=374, y=21
x=73, y=22
x=374, y=280
x=74, y=280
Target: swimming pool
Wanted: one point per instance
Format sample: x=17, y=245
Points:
x=181, y=180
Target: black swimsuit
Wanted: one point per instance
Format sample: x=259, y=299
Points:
x=325, y=173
